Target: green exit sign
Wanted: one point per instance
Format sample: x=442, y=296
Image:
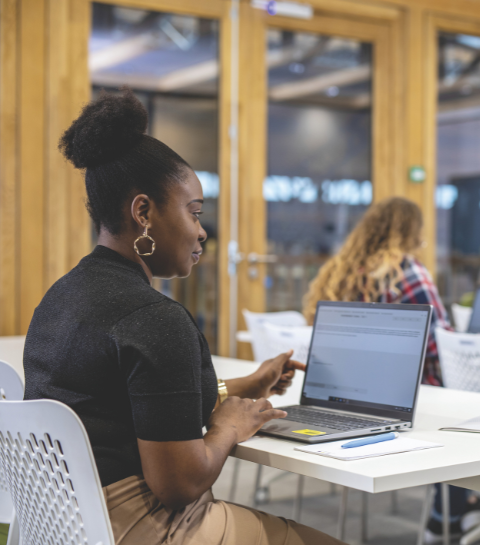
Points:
x=417, y=174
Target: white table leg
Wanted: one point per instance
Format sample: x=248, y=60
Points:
x=233, y=486
x=426, y=510
x=364, y=517
x=297, y=505
x=446, y=513
x=342, y=514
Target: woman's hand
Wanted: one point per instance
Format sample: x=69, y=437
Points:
x=273, y=376
x=242, y=417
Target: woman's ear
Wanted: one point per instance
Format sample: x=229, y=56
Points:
x=141, y=210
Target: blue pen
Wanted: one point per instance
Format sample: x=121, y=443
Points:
x=370, y=440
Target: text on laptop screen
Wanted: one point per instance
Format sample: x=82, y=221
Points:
x=366, y=356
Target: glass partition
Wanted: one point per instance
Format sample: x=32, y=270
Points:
x=319, y=154
x=171, y=62
x=458, y=165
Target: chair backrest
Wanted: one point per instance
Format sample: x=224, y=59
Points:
x=48, y=461
x=11, y=388
x=281, y=338
x=11, y=350
x=255, y=322
x=459, y=355
x=461, y=317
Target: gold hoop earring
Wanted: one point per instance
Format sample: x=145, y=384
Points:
x=140, y=238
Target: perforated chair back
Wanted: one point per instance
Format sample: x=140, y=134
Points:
x=11, y=388
x=459, y=355
x=280, y=339
x=255, y=322
x=461, y=317
x=48, y=461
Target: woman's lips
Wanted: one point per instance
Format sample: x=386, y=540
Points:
x=196, y=256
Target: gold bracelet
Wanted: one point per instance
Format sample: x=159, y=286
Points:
x=222, y=390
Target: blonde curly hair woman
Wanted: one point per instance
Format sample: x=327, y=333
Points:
x=379, y=262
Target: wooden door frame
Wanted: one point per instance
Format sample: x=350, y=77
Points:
x=387, y=124
x=434, y=23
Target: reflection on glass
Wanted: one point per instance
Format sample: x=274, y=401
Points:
x=171, y=62
x=458, y=165
x=319, y=154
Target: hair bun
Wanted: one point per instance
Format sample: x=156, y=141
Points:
x=106, y=129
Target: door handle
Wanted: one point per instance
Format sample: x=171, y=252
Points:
x=254, y=258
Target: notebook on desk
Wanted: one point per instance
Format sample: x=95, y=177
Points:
x=364, y=368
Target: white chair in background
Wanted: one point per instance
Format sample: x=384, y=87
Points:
x=11, y=388
x=461, y=317
x=255, y=322
x=11, y=350
x=459, y=355
x=48, y=461
x=278, y=339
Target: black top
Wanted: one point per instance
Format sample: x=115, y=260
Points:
x=128, y=360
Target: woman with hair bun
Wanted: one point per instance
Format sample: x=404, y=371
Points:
x=132, y=363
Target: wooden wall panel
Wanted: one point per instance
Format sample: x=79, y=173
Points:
x=31, y=112
x=9, y=243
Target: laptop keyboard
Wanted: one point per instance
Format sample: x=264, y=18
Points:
x=326, y=419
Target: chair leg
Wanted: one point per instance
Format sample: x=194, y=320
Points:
x=427, y=509
x=297, y=505
x=13, y=531
x=364, y=517
x=342, y=514
x=446, y=513
x=233, y=485
x=471, y=537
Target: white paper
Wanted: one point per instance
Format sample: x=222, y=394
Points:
x=395, y=446
x=472, y=425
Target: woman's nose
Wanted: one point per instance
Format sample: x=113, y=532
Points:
x=202, y=235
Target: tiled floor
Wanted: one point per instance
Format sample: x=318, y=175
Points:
x=321, y=504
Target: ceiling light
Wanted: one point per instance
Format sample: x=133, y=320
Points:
x=285, y=9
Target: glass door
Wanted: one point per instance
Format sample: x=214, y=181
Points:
x=319, y=174
x=458, y=166
x=321, y=137
x=170, y=60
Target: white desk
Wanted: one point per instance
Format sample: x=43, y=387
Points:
x=458, y=462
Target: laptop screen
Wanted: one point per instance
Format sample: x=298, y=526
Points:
x=474, y=325
x=367, y=357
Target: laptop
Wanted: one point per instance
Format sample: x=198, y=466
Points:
x=474, y=324
x=363, y=373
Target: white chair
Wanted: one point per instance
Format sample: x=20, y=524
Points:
x=459, y=355
x=11, y=350
x=461, y=317
x=48, y=461
x=279, y=339
x=11, y=388
x=255, y=322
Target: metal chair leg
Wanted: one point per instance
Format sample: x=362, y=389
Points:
x=426, y=510
x=364, y=517
x=446, y=513
x=471, y=537
x=342, y=514
x=233, y=485
x=297, y=505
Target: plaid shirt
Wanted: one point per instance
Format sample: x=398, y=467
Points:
x=417, y=287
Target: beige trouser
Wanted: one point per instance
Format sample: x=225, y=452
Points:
x=138, y=518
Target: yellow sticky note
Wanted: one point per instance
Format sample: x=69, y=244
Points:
x=309, y=432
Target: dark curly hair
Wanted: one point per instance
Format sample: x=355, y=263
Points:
x=108, y=140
